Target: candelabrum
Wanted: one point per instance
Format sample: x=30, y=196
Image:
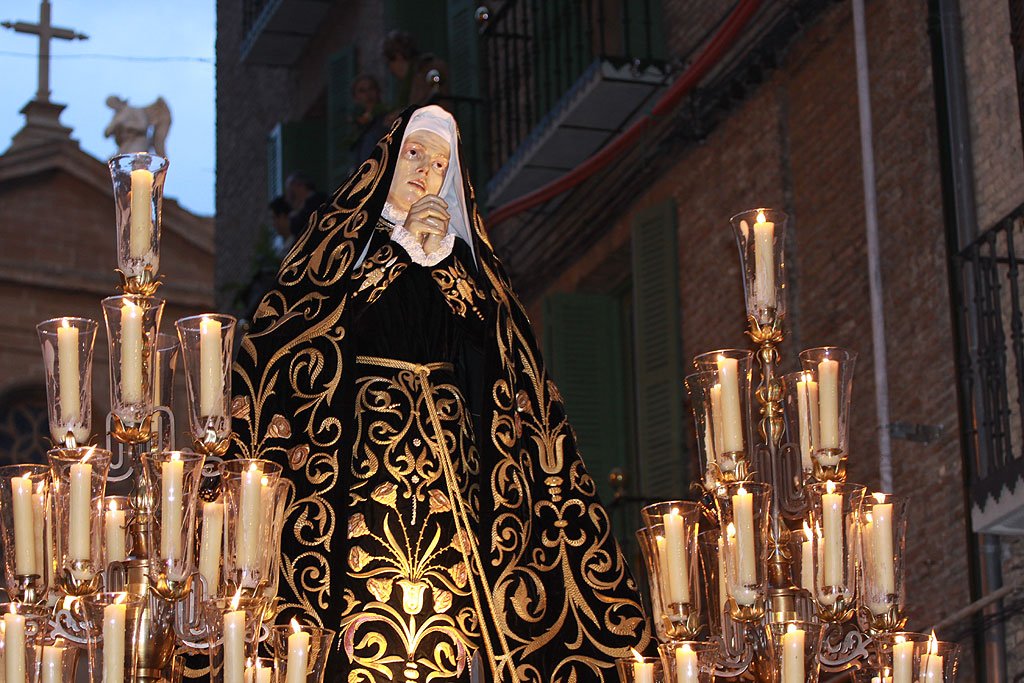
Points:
x=122, y=546
x=801, y=572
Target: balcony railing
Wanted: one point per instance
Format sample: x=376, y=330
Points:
x=991, y=370
x=534, y=51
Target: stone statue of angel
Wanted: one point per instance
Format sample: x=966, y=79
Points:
x=139, y=129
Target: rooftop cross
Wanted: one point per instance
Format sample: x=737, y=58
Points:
x=46, y=32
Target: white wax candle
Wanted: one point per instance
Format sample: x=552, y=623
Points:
x=807, y=562
x=643, y=672
x=732, y=419
x=716, y=420
x=832, y=536
x=257, y=674
x=80, y=512
x=746, y=556
x=806, y=391
x=793, y=655
x=764, y=262
x=14, y=648
x=209, y=545
x=39, y=527
x=67, y=374
x=131, y=353
x=113, y=642
x=234, y=646
x=828, y=403
x=211, y=371
x=903, y=661
x=882, y=541
x=171, y=506
x=298, y=656
x=678, y=566
x=723, y=577
x=53, y=664
x=24, y=527
x=250, y=518
x=687, y=667
x=114, y=533
x=932, y=667
x=140, y=232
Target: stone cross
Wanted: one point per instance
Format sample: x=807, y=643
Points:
x=46, y=32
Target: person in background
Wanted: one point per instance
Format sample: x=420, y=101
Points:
x=301, y=194
x=412, y=70
x=280, y=219
x=368, y=115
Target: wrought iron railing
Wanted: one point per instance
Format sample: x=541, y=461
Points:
x=991, y=357
x=533, y=51
x=252, y=13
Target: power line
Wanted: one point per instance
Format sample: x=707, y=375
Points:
x=125, y=58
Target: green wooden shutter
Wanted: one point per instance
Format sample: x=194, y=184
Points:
x=658, y=368
x=583, y=351
x=341, y=71
x=295, y=146
x=426, y=20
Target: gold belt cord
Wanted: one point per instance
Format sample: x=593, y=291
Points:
x=460, y=516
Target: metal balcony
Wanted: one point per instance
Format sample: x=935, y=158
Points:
x=275, y=32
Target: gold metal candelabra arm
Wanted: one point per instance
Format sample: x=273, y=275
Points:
x=769, y=391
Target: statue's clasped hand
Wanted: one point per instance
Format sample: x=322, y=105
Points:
x=428, y=221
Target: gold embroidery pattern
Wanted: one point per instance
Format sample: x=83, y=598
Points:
x=377, y=272
x=412, y=609
x=459, y=290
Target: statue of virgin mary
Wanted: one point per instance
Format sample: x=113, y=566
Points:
x=440, y=517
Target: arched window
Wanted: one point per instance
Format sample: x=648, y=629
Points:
x=24, y=430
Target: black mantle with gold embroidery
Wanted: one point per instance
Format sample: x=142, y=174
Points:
x=557, y=600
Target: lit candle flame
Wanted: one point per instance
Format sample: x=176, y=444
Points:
x=14, y=608
x=901, y=639
x=175, y=455
x=675, y=511
x=64, y=323
x=741, y=491
x=830, y=486
x=121, y=598
x=636, y=655
x=933, y=644
x=88, y=454
x=807, y=532
x=265, y=481
x=730, y=531
x=687, y=648
x=760, y=216
x=252, y=467
x=237, y=599
x=791, y=628
x=113, y=506
x=297, y=629
x=879, y=497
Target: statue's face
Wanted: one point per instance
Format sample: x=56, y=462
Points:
x=422, y=164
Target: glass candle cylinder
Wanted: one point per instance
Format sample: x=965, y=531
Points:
x=672, y=561
x=113, y=621
x=300, y=652
x=795, y=647
x=638, y=669
x=67, y=345
x=688, y=661
x=743, y=511
x=174, y=477
x=58, y=661
x=250, y=547
x=700, y=407
x=211, y=542
x=138, y=197
x=233, y=629
x=935, y=661
x=21, y=638
x=835, y=511
x=760, y=236
x=260, y=670
x=800, y=412
x=726, y=376
x=206, y=348
x=714, y=578
x=167, y=351
x=78, y=479
x=830, y=368
x=897, y=652
x=24, y=510
x=883, y=531
x=280, y=497
x=132, y=325
x=115, y=528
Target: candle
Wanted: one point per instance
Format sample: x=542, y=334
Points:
x=114, y=533
x=24, y=527
x=140, y=233
x=807, y=410
x=234, y=642
x=746, y=557
x=687, y=667
x=256, y=673
x=723, y=577
x=14, y=646
x=716, y=420
x=882, y=542
x=884, y=678
x=732, y=421
x=793, y=655
x=80, y=512
x=67, y=374
x=131, y=353
x=53, y=664
x=828, y=403
x=764, y=262
x=171, y=506
x=678, y=569
x=832, y=535
x=298, y=656
x=931, y=663
x=40, y=527
x=807, y=561
x=903, y=661
x=113, y=640
x=211, y=371
x=250, y=518
x=209, y=545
